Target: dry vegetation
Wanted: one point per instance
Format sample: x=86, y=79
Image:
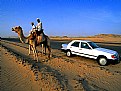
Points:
x=111, y=38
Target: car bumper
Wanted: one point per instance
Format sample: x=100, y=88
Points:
x=115, y=60
x=63, y=50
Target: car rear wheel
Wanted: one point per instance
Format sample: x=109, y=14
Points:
x=102, y=61
x=68, y=53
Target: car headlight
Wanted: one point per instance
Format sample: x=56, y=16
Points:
x=113, y=56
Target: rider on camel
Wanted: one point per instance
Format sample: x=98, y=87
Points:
x=39, y=25
x=40, y=30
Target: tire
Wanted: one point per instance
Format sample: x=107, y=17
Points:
x=68, y=53
x=102, y=61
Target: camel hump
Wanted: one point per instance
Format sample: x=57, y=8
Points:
x=32, y=36
x=39, y=32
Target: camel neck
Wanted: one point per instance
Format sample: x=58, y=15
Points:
x=23, y=39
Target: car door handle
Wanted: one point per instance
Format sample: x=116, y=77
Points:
x=80, y=49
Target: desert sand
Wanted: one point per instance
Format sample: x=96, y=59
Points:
x=19, y=72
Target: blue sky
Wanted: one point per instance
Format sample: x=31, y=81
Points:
x=62, y=17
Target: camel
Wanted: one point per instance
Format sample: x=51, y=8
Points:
x=35, y=39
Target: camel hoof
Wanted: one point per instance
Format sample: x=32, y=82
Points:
x=44, y=53
x=48, y=57
x=28, y=54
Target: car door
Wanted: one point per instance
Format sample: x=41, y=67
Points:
x=85, y=50
x=74, y=47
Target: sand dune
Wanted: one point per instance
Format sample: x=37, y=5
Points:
x=19, y=72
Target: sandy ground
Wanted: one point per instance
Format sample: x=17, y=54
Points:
x=14, y=76
x=19, y=72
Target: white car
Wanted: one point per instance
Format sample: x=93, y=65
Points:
x=91, y=50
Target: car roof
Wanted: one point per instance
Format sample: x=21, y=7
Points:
x=82, y=41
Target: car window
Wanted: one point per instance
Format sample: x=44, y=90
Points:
x=93, y=45
x=75, y=44
x=84, y=45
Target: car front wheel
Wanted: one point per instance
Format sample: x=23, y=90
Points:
x=102, y=61
x=68, y=53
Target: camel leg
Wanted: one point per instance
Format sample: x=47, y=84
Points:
x=35, y=53
x=45, y=49
x=29, y=49
x=49, y=49
x=33, y=49
x=42, y=49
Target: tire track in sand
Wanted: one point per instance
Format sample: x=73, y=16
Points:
x=48, y=78
x=12, y=75
x=79, y=74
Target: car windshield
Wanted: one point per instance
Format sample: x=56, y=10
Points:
x=93, y=45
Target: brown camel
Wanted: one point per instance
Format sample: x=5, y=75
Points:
x=34, y=40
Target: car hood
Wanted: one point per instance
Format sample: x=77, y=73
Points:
x=106, y=50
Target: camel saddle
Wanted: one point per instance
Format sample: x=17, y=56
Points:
x=34, y=35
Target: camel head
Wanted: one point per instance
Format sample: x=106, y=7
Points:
x=17, y=29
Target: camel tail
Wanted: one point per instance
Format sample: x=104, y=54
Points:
x=48, y=46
